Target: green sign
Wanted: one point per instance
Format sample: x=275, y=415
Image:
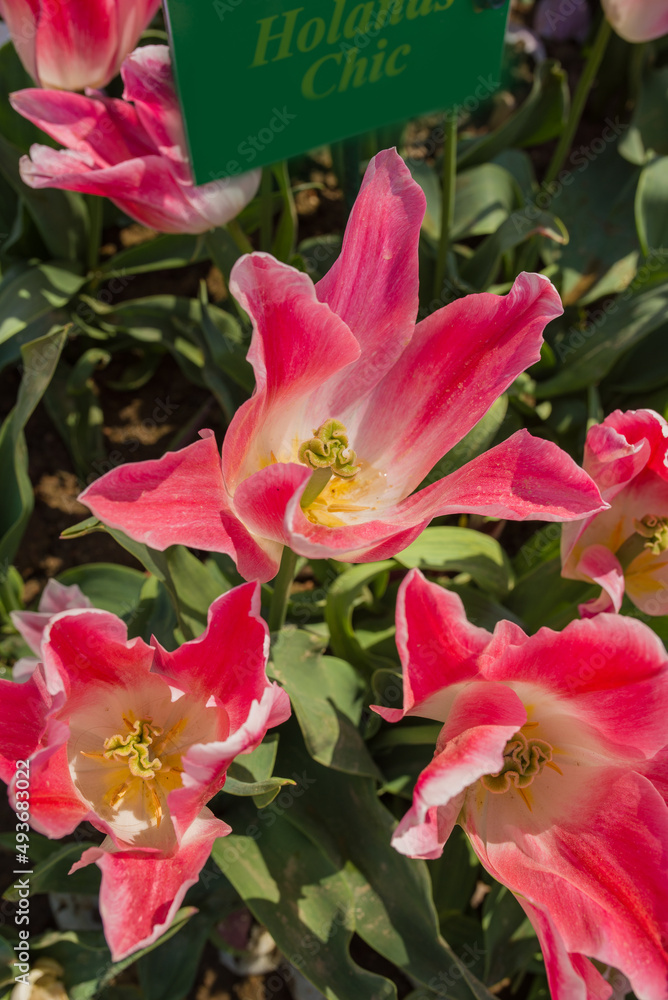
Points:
x=263, y=80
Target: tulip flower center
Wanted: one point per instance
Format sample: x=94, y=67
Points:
x=523, y=760
x=328, y=454
x=655, y=530
x=135, y=748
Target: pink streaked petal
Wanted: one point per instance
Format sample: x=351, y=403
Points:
x=637, y=20
x=133, y=17
x=262, y=500
x=599, y=564
x=173, y=500
x=597, y=605
x=56, y=809
x=298, y=343
x=83, y=650
x=228, y=661
x=483, y=718
x=24, y=668
x=21, y=18
x=570, y=976
x=56, y=597
x=613, y=672
x=23, y=715
x=600, y=871
x=426, y=838
x=142, y=891
x=149, y=84
x=522, y=478
x=103, y=129
x=460, y=360
x=76, y=49
x=373, y=286
x=205, y=764
x=437, y=644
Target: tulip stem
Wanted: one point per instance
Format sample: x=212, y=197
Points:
x=282, y=584
x=266, y=209
x=95, y=215
x=238, y=235
x=580, y=96
x=447, y=199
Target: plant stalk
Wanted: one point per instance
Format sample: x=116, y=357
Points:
x=282, y=583
x=95, y=214
x=447, y=199
x=585, y=82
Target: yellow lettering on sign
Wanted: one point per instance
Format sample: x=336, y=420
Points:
x=358, y=20
x=316, y=28
x=308, y=83
x=284, y=36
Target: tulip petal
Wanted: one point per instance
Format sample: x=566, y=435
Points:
x=56, y=809
x=599, y=564
x=522, y=478
x=105, y=130
x=611, y=673
x=173, y=500
x=460, y=360
x=599, y=871
x=229, y=660
x=141, y=892
x=68, y=52
x=482, y=719
x=298, y=343
x=23, y=710
x=83, y=650
x=205, y=764
x=637, y=20
x=55, y=598
x=373, y=286
x=437, y=644
x=570, y=976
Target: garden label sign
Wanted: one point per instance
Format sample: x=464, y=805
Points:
x=263, y=80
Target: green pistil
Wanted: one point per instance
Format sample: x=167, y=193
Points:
x=651, y=534
x=523, y=760
x=655, y=530
x=135, y=748
x=329, y=449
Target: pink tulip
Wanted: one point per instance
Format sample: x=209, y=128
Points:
x=552, y=757
x=624, y=548
x=56, y=597
x=135, y=154
x=637, y=20
x=354, y=405
x=135, y=740
x=73, y=44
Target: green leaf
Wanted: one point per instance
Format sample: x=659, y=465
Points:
x=648, y=133
x=284, y=239
x=61, y=217
x=541, y=117
x=72, y=403
x=590, y=354
x=304, y=901
x=16, y=498
x=480, y=270
x=28, y=293
x=394, y=910
x=168, y=971
x=485, y=197
x=651, y=207
x=596, y=206
x=327, y=697
x=461, y=550
x=109, y=586
x=251, y=773
x=166, y=251
x=343, y=595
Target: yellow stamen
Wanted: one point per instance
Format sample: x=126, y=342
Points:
x=155, y=804
x=343, y=508
x=526, y=799
x=118, y=794
x=550, y=763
